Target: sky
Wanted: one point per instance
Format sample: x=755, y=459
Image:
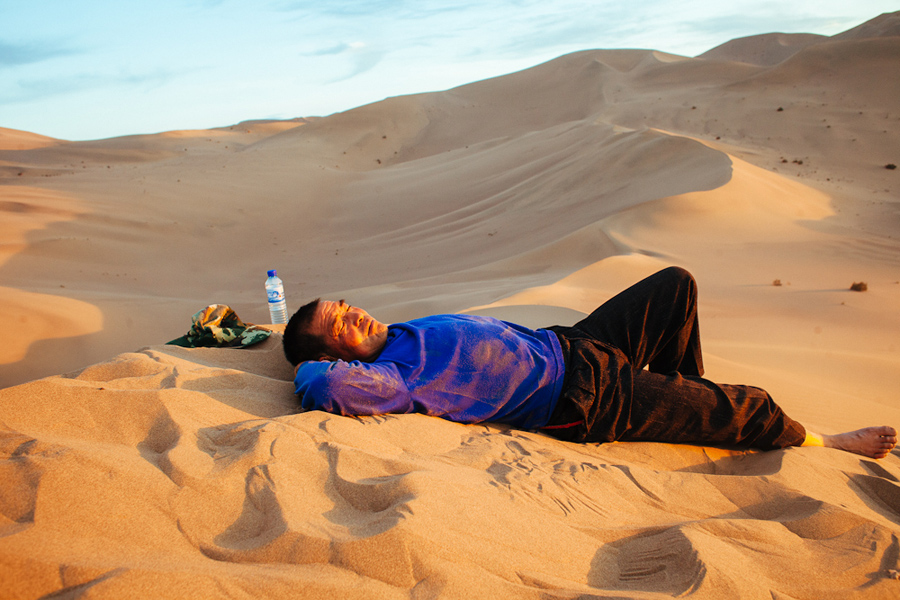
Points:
x=90, y=69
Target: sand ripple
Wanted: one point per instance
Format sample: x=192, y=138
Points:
x=154, y=471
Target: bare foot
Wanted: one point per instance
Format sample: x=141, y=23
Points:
x=875, y=442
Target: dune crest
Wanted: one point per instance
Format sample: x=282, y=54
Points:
x=13, y=139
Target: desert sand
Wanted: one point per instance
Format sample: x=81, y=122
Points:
x=135, y=469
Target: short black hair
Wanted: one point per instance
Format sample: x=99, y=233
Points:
x=299, y=344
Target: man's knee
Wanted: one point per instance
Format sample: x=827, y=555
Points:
x=678, y=272
x=677, y=276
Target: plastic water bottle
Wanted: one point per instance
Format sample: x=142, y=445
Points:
x=275, y=292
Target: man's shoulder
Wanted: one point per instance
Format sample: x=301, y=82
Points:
x=445, y=319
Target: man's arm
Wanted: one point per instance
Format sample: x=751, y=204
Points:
x=352, y=388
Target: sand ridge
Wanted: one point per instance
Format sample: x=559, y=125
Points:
x=229, y=486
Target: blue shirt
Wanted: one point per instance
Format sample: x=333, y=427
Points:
x=463, y=368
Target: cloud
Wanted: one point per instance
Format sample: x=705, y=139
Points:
x=331, y=50
x=586, y=34
x=565, y=27
x=332, y=8
x=362, y=59
x=28, y=90
x=363, y=62
x=340, y=8
x=14, y=55
x=361, y=56
x=388, y=10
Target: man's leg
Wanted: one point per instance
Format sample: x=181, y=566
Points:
x=654, y=322
x=672, y=408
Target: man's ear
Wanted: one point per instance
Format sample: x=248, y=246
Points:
x=327, y=358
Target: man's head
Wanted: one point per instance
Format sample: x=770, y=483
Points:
x=323, y=329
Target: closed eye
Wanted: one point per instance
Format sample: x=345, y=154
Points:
x=339, y=324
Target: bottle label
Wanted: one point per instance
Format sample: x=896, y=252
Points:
x=275, y=296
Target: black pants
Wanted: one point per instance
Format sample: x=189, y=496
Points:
x=608, y=395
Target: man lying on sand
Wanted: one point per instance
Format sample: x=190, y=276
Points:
x=584, y=383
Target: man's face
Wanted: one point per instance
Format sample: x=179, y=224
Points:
x=349, y=332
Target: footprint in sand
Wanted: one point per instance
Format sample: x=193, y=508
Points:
x=664, y=561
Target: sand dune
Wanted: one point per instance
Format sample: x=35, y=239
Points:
x=772, y=48
x=12, y=139
x=187, y=473
x=884, y=25
x=763, y=50
x=154, y=471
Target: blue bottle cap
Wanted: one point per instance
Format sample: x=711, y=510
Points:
x=272, y=273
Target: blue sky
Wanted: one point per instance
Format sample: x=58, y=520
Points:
x=87, y=69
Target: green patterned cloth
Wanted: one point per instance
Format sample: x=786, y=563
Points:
x=217, y=326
